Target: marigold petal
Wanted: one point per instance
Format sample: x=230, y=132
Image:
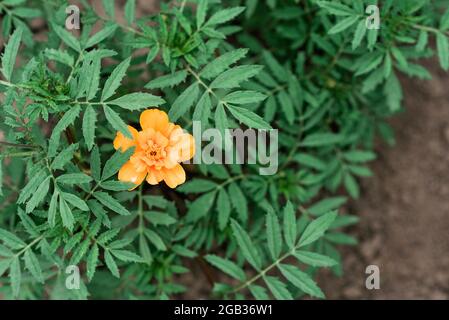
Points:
x=129, y=173
x=155, y=176
x=174, y=176
x=124, y=143
x=155, y=119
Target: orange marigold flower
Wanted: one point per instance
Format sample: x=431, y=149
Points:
x=159, y=148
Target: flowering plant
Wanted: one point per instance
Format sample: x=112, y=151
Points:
x=314, y=86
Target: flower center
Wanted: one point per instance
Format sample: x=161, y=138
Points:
x=154, y=151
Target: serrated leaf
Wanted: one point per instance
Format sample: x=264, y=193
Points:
x=114, y=163
x=137, y=101
x=32, y=185
x=158, y=218
x=67, y=37
x=32, y=264
x=89, y=120
x=67, y=119
x=234, y=76
x=274, y=235
x=222, y=63
x=101, y=35
x=316, y=229
x=225, y=15
x=289, y=225
x=15, y=276
x=326, y=205
x=247, y=247
x=10, y=53
x=64, y=157
x=74, y=178
x=92, y=261
x=109, y=202
x=126, y=255
x=75, y=201
x=360, y=32
x=66, y=214
x=301, y=280
x=116, y=122
x=226, y=266
x=248, y=117
x=197, y=186
x=224, y=208
x=201, y=12
x=52, y=209
x=278, y=71
x=130, y=8
x=11, y=240
x=443, y=50
x=184, y=102
x=38, y=196
x=110, y=263
x=200, y=207
x=238, y=201
x=155, y=239
x=169, y=80
x=114, y=80
x=343, y=25
x=244, y=97
x=314, y=259
x=278, y=288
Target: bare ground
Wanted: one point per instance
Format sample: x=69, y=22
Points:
x=404, y=210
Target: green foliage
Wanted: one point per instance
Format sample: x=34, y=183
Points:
x=316, y=73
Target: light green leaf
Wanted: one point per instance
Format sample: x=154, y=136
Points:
x=126, y=255
x=200, y=207
x=155, y=239
x=11, y=240
x=137, y=101
x=184, y=102
x=277, y=288
x=301, y=280
x=249, y=250
x=66, y=214
x=130, y=8
x=110, y=263
x=15, y=276
x=326, y=205
x=315, y=259
x=101, y=35
x=75, y=201
x=316, y=228
x=38, y=196
x=64, y=157
x=225, y=15
x=224, y=208
x=74, y=178
x=32, y=264
x=244, y=97
x=274, y=235
x=67, y=37
x=114, y=163
x=67, y=119
x=343, y=25
x=443, y=50
x=89, y=120
x=116, y=122
x=201, y=13
x=238, y=201
x=114, y=80
x=222, y=63
x=234, y=76
x=109, y=202
x=248, y=117
x=10, y=54
x=197, y=186
x=226, y=266
x=169, y=80
x=92, y=261
x=289, y=225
